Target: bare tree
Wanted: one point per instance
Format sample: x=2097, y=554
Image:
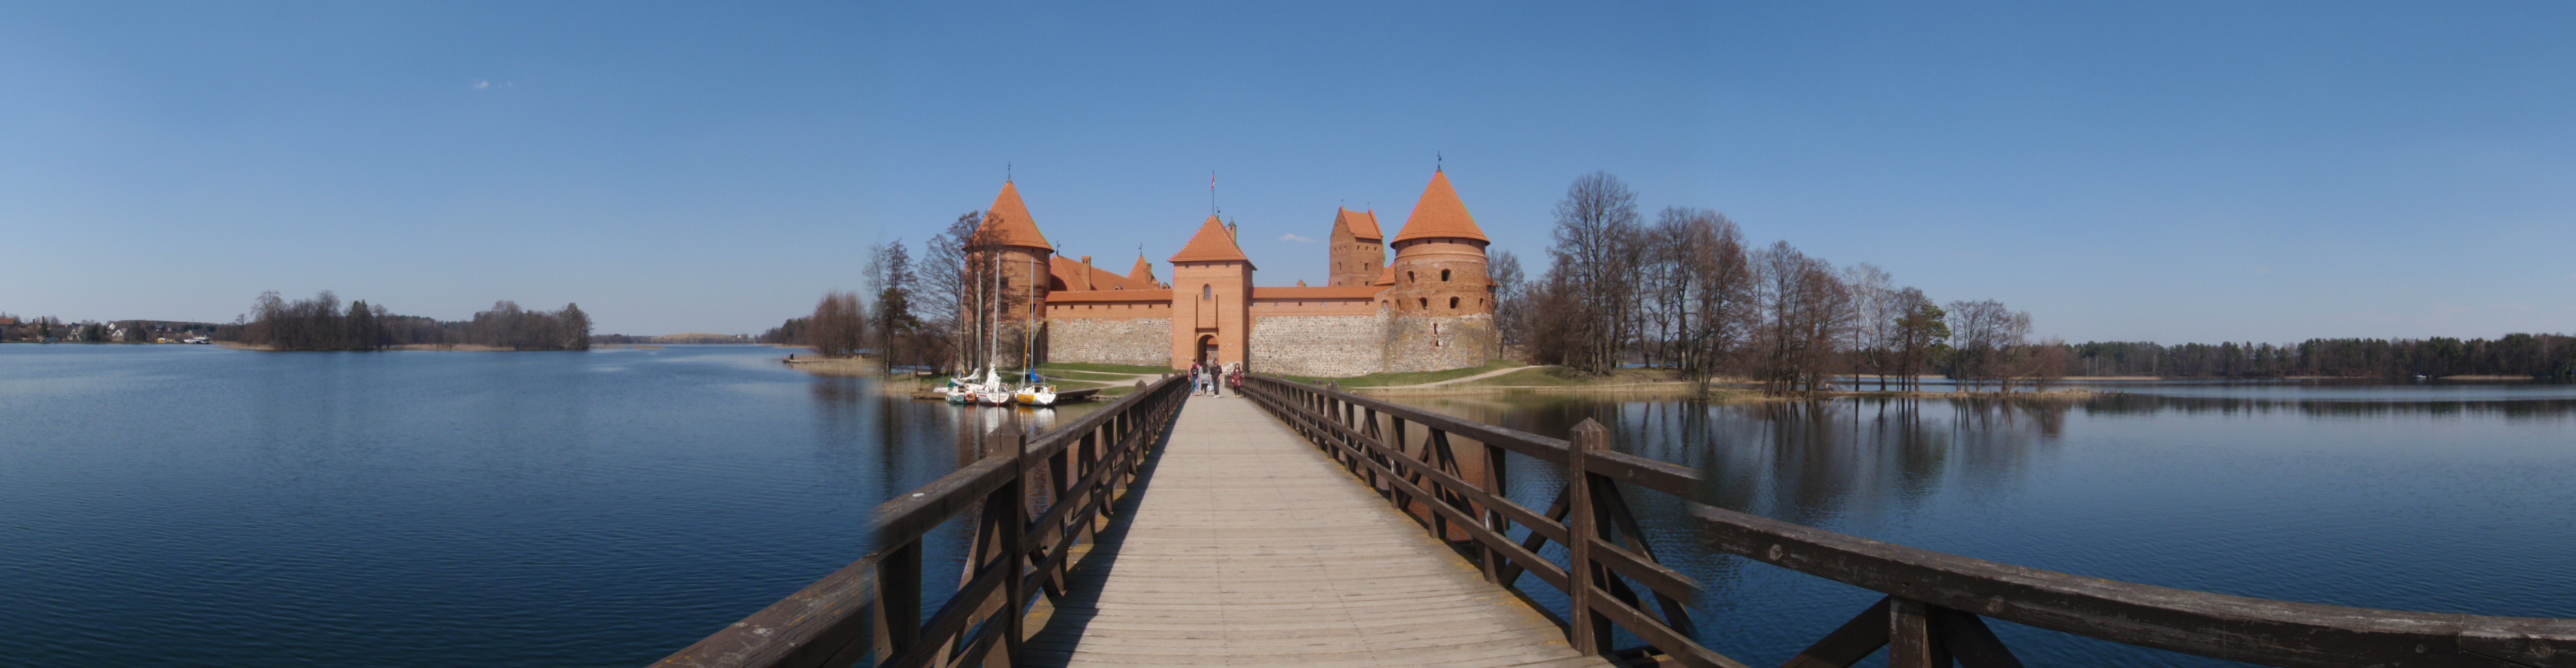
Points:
x=1987, y=334
x=944, y=297
x=1922, y=329
x=1510, y=301
x=1867, y=341
x=838, y=327
x=1807, y=309
x=893, y=322
x=1717, y=309
x=1596, y=254
x=576, y=327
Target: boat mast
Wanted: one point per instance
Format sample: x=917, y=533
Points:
x=1029, y=329
x=993, y=342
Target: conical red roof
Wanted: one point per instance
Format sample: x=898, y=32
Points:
x=1213, y=244
x=1009, y=224
x=1440, y=215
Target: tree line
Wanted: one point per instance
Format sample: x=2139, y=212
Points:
x=321, y=323
x=910, y=317
x=843, y=324
x=1687, y=292
x=2542, y=356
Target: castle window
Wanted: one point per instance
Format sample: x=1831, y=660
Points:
x=1444, y=275
x=1006, y=281
x=1207, y=291
x=1408, y=278
x=1426, y=302
x=1453, y=302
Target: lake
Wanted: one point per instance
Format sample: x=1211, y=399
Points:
x=193, y=506
x=189, y=506
x=2443, y=498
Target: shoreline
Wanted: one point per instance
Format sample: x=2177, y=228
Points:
x=1725, y=393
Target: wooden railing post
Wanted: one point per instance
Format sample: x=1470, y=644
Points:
x=1910, y=643
x=898, y=601
x=1588, y=633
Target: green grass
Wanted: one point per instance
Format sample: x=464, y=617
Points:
x=1407, y=378
x=1084, y=375
x=1563, y=377
x=1127, y=369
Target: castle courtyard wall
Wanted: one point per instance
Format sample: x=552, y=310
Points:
x=1438, y=343
x=1325, y=346
x=1133, y=341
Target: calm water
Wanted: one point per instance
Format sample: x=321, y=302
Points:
x=2441, y=498
x=188, y=506
x=185, y=506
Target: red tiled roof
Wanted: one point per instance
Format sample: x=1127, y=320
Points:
x=1213, y=244
x=1009, y=224
x=1363, y=225
x=1385, y=276
x=1072, y=272
x=1440, y=215
x=1143, y=273
x=1329, y=292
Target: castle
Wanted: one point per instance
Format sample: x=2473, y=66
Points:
x=1431, y=308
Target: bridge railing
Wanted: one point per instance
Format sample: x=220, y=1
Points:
x=1935, y=603
x=871, y=608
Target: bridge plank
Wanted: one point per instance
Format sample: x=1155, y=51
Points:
x=1253, y=548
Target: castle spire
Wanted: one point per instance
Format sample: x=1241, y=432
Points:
x=1440, y=215
x=1008, y=222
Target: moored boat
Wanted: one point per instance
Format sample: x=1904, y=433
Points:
x=1036, y=395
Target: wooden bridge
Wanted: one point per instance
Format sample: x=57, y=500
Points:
x=1167, y=530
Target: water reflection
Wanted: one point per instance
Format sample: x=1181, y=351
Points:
x=1802, y=461
x=2322, y=493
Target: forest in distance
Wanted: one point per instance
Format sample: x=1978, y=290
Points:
x=320, y=323
x=1687, y=292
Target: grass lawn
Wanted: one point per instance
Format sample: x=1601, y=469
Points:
x=1408, y=378
x=1126, y=369
x=1563, y=377
x=1063, y=374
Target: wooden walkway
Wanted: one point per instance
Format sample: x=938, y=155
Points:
x=1250, y=548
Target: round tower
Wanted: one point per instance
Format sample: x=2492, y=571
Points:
x=1442, y=302
x=1008, y=261
x=1439, y=266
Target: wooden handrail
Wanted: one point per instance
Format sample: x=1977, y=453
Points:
x=870, y=609
x=1935, y=601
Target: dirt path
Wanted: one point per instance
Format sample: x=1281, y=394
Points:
x=1440, y=383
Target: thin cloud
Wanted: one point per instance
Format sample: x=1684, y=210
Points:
x=480, y=84
x=1295, y=238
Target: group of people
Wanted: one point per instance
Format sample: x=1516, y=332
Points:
x=1211, y=380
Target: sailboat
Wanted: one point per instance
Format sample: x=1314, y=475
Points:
x=960, y=390
x=1037, y=392
x=993, y=392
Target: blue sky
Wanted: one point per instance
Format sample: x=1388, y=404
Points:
x=2163, y=171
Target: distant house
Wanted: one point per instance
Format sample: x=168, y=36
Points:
x=8, y=322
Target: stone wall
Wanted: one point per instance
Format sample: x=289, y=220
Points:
x=1433, y=344
x=1138, y=341
x=1322, y=346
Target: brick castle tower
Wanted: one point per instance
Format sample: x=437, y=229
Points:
x=1009, y=244
x=1359, y=249
x=1442, y=299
